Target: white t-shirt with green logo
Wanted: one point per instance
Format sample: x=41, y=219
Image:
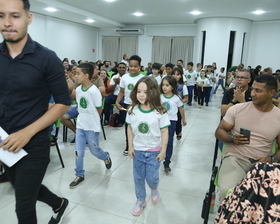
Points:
x=127, y=83
x=203, y=81
x=88, y=100
x=172, y=104
x=157, y=78
x=191, y=76
x=146, y=127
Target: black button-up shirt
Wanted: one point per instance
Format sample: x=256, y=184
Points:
x=26, y=84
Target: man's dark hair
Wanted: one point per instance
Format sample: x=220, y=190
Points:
x=169, y=65
x=121, y=63
x=190, y=63
x=269, y=80
x=180, y=61
x=86, y=68
x=245, y=70
x=26, y=5
x=136, y=58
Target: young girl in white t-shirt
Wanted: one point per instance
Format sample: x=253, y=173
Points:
x=171, y=100
x=202, y=83
x=147, y=139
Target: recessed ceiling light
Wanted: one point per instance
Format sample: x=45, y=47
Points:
x=138, y=14
x=195, y=12
x=89, y=20
x=50, y=9
x=258, y=12
x=110, y=0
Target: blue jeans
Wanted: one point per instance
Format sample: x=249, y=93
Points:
x=220, y=82
x=212, y=91
x=92, y=139
x=190, y=90
x=145, y=167
x=169, y=149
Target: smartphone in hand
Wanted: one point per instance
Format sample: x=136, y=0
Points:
x=246, y=132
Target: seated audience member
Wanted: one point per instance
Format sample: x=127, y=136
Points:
x=69, y=81
x=278, y=71
x=142, y=68
x=104, y=75
x=240, y=94
x=108, y=67
x=233, y=68
x=255, y=199
x=73, y=112
x=149, y=68
x=262, y=118
x=73, y=62
x=276, y=97
x=125, y=60
x=114, y=88
x=115, y=67
x=101, y=66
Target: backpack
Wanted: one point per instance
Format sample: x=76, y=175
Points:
x=114, y=119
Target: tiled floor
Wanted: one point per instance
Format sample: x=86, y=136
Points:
x=107, y=196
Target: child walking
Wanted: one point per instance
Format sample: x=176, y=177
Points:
x=147, y=139
x=170, y=99
x=202, y=83
x=88, y=123
x=183, y=93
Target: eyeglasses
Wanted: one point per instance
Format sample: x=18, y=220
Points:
x=241, y=77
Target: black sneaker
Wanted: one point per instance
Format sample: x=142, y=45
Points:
x=76, y=182
x=125, y=152
x=206, y=104
x=106, y=123
x=57, y=216
x=73, y=142
x=108, y=162
x=167, y=168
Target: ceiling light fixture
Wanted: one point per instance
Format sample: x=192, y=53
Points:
x=258, y=12
x=138, y=14
x=110, y=0
x=195, y=12
x=89, y=20
x=50, y=9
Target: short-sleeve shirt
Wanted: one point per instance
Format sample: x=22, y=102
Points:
x=209, y=76
x=146, y=127
x=228, y=96
x=191, y=76
x=26, y=85
x=88, y=101
x=112, y=82
x=97, y=81
x=203, y=81
x=127, y=83
x=172, y=104
x=264, y=126
x=157, y=78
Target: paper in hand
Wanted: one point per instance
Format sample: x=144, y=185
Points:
x=9, y=158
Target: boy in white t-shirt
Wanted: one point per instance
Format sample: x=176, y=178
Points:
x=89, y=102
x=127, y=84
x=155, y=74
x=221, y=75
x=198, y=69
x=191, y=76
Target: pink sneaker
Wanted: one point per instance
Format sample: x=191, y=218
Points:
x=138, y=208
x=155, y=196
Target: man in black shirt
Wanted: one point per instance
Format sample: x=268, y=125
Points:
x=240, y=94
x=29, y=75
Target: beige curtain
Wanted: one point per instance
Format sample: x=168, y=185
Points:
x=110, y=48
x=127, y=45
x=161, y=49
x=182, y=48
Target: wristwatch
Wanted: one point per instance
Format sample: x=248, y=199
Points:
x=274, y=159
x=233, y=102
x=231, y=139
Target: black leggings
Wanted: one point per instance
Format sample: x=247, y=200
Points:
x=179, y=124
x=201, y=95
x=26, y=177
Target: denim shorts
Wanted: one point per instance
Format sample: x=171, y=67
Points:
x=72, y=112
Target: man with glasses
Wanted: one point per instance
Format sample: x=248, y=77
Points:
x=240, y=94
x=114, y=87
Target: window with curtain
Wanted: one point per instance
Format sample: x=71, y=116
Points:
x=113, y=48
x=170, y=49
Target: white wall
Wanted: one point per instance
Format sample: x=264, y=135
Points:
x=264, y=45
x=217, y=39
x=145, y=40
x=71, y=40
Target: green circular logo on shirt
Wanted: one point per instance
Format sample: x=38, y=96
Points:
x=130, y=86
x=166, y=105
x=189, y=76
x=83, y=103
x=143, y=128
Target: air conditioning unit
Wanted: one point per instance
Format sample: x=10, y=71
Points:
x=129, y=31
